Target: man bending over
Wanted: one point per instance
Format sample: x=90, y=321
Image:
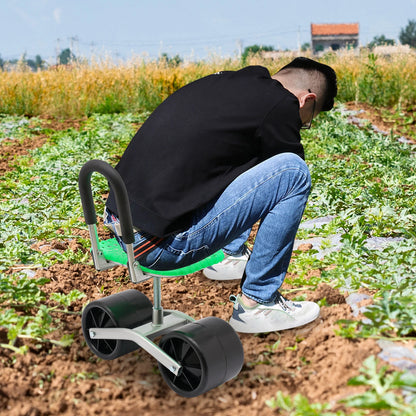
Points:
x=214, y=158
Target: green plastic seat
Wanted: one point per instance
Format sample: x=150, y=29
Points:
x=112, y=251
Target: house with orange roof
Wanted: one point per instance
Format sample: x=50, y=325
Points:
x=328, y=36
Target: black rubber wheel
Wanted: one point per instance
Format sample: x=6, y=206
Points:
x=127, y=309
x=209, y=351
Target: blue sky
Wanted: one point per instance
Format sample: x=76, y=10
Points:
x=193, y=29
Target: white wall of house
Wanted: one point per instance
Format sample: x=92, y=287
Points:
x=334, y=42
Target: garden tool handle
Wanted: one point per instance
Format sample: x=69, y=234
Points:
x=120, y=193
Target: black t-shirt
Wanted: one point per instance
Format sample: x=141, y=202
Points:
x=200, y=139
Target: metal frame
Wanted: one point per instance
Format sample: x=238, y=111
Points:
x=162, y=321
x=143, y=335
x=101, y=263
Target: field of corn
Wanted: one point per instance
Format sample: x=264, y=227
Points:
x=359, y=358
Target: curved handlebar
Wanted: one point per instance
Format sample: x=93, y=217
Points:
x=120, y=193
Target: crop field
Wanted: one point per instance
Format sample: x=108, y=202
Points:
x=354, y=253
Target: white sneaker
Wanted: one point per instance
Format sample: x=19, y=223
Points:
x=284, y=314
x=231, y=268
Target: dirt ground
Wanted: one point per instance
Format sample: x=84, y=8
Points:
x=384, y=123
x=51, y=380
x=69, y=381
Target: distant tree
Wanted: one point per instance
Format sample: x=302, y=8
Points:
x=31, y=64
x=305, y=47
x=23, y=63
x=65, y=57
x=408, y=34
x=380, y=41
x=175, y=61
x=255, y=49
x=39, y=62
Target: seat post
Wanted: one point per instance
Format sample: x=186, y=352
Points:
x=157, y=318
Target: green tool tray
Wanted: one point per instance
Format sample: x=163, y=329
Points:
x=112, y=251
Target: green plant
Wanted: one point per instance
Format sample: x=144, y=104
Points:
x=384, y=387
x=389, y=317
x=42, y=197
x=20, y=291
x=385, y=393
x=67, y=300
x=365, y=180
x=84, y=375
x=299, y=405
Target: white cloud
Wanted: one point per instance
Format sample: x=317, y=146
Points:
x=57, y=15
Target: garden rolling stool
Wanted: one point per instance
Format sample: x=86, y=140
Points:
x=193, y=356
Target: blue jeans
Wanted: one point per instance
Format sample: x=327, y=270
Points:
x=275, y=192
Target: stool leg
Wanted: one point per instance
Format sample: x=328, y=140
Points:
x=157, y=318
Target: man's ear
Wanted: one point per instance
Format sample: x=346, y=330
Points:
x=304, y=98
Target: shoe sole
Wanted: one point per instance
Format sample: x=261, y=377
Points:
x=220, y=278
x=239, y=327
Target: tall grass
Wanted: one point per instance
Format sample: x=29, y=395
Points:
x=138, y=85
x=379, y=80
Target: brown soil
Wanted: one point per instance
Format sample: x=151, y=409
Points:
x=375, y=118
x=11, y=149
x=52, y=380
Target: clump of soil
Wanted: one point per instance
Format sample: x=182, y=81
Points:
x=328, y=293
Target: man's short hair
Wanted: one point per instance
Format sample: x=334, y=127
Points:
x=329, y=74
